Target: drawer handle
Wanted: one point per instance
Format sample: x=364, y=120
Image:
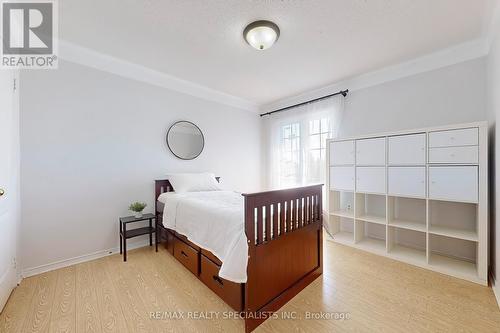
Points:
x=184, y=254
x=218, y=280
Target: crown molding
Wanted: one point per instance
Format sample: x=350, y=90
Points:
x=90, y=58
x=446, y=57
x=443, y=58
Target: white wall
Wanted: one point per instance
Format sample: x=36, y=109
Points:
x=493, y=107
x=93, y=142
x=453, y=94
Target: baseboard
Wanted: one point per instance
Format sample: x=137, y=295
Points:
x=496, y=289
x=27, y=272
x=7, y=284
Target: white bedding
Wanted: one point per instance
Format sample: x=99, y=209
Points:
x=213, y=220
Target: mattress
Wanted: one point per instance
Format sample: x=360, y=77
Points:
x=213, y=220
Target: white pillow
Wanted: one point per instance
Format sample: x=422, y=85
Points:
x=193, y=182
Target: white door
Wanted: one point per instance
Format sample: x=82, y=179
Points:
x=370, y=151
x=407, y=181
x=9, y=132
x=407, y=149
x=342, y=153
x=342, y=178
x=459, y=183
x=370, y=179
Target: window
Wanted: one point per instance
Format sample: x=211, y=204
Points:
x=296, y=149
x=290, y=165
x=319, y=131
x=303, y=152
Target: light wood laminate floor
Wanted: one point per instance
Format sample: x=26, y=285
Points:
x=379, y=295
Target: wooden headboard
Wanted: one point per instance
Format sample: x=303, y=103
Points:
x=162, y=186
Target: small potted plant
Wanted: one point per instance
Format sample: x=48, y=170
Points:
x=137, y=208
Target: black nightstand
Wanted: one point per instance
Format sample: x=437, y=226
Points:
x=126, y=234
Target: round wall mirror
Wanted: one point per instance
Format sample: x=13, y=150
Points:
x=185, y=140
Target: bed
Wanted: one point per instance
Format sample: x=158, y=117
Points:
x=283, y=234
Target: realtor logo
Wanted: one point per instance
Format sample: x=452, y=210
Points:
x=29, y=34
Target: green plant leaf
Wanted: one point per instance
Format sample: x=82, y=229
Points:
x=137, y=206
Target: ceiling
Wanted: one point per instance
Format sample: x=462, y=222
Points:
x=321, y=42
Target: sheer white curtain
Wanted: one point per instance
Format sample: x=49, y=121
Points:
x=297, y=142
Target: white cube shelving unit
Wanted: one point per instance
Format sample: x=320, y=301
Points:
x=418, y=196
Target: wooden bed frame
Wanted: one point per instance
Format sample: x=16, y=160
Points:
x=284, y=232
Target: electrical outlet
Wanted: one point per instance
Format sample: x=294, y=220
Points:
x=14, y=263
x=348, y=207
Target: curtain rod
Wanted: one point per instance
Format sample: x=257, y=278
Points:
x=342, y=92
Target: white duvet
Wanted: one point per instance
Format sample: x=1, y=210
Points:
x=213, y=220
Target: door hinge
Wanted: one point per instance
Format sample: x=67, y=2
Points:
x=15, y=86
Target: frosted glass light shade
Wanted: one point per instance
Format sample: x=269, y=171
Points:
x=261, y=35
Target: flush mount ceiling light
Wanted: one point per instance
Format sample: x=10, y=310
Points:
x=261, y=35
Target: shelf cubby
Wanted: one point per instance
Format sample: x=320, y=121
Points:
x=371, y=208
x=453, y=219
x=453, y=255
x=417, y=196
x=407, y=213
x=341, y=229
x=407, y=245
x=342, y=204
x=370, y=236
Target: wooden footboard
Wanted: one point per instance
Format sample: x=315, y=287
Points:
x=284, y=231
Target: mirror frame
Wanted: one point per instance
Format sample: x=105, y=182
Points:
x=202, y=136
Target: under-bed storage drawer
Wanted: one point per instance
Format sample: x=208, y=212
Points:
x=188, y=256
x=230, y=292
